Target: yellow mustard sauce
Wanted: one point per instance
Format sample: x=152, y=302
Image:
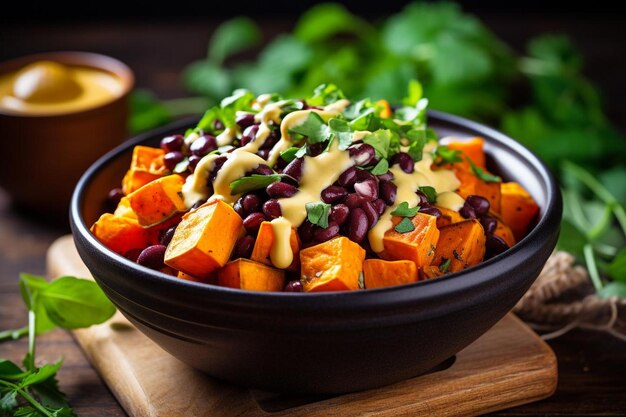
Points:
x=46, y=88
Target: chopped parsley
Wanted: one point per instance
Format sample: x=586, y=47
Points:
x=253, y=182
x=482, y=174
x=404, y=210
x=430, y=193
x=405, y=226
x=317, y=213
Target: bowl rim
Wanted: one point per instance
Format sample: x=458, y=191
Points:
x=78, y=58
x=482, y=274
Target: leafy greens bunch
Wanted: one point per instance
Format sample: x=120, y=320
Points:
x=69, y=303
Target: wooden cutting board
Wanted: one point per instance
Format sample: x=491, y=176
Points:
x=508, y=366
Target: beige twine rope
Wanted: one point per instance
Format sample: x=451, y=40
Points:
x=562, y=298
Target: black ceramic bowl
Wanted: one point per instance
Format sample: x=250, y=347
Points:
x=323, y=342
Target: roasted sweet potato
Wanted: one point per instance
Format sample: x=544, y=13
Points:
x=264, y=242
x=204, y=239
x=386, y=112
x=448, y=217
x=146, y=165
x=472, y=148
x=430, y=272
x=463, y=244
x=472, y=185
x=378, y=273
x=518, y=208
x=334, y=265
x=503, y=231
x=158, y=201
x=417, y=246
x=120, y=234
x=252, y=276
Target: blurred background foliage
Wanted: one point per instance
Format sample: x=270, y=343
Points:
x=540, y=98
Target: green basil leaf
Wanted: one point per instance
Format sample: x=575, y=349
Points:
x=448, y=155
x=313, y=128
x=381, y=167
x=405, y=226
x=289, y=154
x=29, y=285
x=404, y=210
x=252, y=182
x=482, y=174
x=430, y=193
x=317, y=213
x=72, y=303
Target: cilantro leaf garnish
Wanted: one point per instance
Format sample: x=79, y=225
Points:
x=445, y=265
x=482, y=174
x=405, y=226
x=313, y=128
x=289, y=154
x=404, y=210
x=379, y=140
x=252, y=182
x=430, y=193
x=381, y=167
x=448, y=155
x=342, y=131
x=418, y=141
x=317, y=213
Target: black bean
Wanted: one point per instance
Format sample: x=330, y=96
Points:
x=203, y=145
x=494, y=245
x=217, y=165
x=479, y=203
x=243, y=247
x=281, y=190
x=244, y=120
x=316, y=149
x=423, y=200
x=250, y=203
x=489, y=224
x=467, y=211
x=193, y=162
x=294, y=286
x=152, y=257
x=294, y=168
x=172, y=143
x=353, y=200
x=333, y=194
x=388, y=192
x=324, y=234
x=367, y=189
x=348, y=177
x=133, y=254
x=433, y=211
x=339, y=214
x=271, y=209
x=253, y=221
x=404, y=160
x=370, y=212
x=172, y=158
x=270, y=140
x=113, y=198
x=387, y=176
x=238, y=207
x=218, y=125
x=362, y=154
x=262, y=169
x=362, y=175
x=167, y=236
x=249, y=134
x=306, y=231
x=357, y=225
x=380, y=206
x=197, y=204
x=264, y=153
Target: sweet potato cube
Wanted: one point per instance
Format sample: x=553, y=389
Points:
x=211, y=279
x=146, y=165
x=504, y=232
x=204, y=239
x=430, y=272
x=463, y=244
x=334, y=265
x=158, y=200
x=448, y=217
x=120, y=234
x=471, y=147
x=265, y=241
x=378, y=273
x=252, y=276
x=417, y=246
x=472, y=185
x=518, y=208
x=386, y=111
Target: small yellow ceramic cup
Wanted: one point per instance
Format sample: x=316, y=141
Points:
x=59, y=112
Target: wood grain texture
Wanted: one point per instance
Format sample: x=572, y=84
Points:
x=507, y=366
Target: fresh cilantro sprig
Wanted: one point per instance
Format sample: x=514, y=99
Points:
x=405, y=226
x=403, y=210
x=68, y=303
x=317, y=213
x=253, y=182
x=481, y=173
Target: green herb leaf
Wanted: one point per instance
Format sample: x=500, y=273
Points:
x=147, y=112
x=8, y=401
x=72, y=303
x=41, y=374
x=445, y=265
x=418, y=141
x=317, y=213
x=323, y=21
x=342, y=131
x=415, y=94
x=617, y=268
x=289, y=154
x=613, y=289
x=252, y=182
x=313, y=128
x=430, y=193
x=29, y=286
x=482, y=174
x=325, y=94
x=381, y=167
x=231, y=37
x=405, y=226
x=404, y=210
x=379, y=140
x=9, y=370
x=448, y=155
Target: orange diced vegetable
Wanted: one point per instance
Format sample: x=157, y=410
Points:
x=518, y=208
x=463, y=244
x=334, y=265
x=146, y=165
x=386, y=112
x=472, y=185
x=265, y=241
x=430, y=272
x=503, y=231
x=448, y=217
x=158, y=200
x=120, y=234
x=252, y=276
x=211, y=279
x=204, y=239
x=472, y=148
x=417, y=245
x=378, y=273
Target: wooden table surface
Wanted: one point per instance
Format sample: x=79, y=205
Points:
x=592, y=366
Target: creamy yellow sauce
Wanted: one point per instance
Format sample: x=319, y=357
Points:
x=281, y=254
x=443, y=181
x=45, y=88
